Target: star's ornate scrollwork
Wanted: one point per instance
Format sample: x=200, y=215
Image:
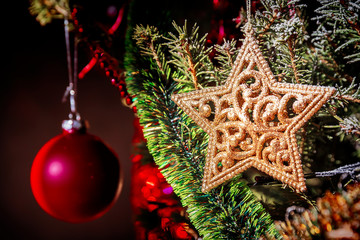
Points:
x=252, y=120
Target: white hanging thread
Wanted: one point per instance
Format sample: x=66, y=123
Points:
x=72, y=72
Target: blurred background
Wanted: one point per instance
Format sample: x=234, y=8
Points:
x=33, y=81
x=34, y=78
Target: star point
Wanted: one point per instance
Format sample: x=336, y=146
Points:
x=252, y=120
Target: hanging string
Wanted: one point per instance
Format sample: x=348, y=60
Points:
x=248, y=15
x=67, y=42
x=248, y=10
x=72, y=72
x=75, y=78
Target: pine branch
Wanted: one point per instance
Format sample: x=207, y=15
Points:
x=350, y=125
x=46, y=11
x=348, y=98
x=350, y=93
x=284, y=43
x=354, y=25
x=155, y=56
x=275, y=16
x=225, y=56
x=340, y=23
x=350, y=170
x=190, y=56
x=191, y=66
x=292, y=58
x=146, y=38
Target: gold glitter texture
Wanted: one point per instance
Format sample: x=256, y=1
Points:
x=252, y=120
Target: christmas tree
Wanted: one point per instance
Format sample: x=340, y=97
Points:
x=247, y=124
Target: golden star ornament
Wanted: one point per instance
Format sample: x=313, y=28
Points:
x=252, y=120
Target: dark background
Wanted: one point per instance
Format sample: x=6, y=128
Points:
x=33, y=80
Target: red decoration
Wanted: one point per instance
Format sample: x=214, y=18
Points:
x=117, y=22
x=88, y=67
x=181, y=233
x=159, y=214
x=75, y=177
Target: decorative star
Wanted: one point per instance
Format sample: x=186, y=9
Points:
x=252, y=120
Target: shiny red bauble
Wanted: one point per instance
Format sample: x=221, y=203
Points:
x=75, y=177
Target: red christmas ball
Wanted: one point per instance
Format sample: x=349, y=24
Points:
x=75, y=177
